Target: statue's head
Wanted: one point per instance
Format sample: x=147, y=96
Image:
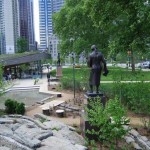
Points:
x=93, y=47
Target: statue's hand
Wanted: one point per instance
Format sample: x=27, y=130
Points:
x=105, y=73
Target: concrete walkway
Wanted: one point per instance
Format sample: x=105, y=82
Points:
x=25, y=84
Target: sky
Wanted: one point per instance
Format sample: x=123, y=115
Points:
x=36, y=20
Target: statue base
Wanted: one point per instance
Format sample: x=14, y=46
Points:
x=59, y=71
x=84, y=122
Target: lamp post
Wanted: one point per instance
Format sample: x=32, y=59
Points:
x=48, y=74
x=73, y=59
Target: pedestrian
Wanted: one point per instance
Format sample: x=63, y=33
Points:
x=48, y=78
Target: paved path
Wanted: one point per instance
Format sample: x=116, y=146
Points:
x=24, y=84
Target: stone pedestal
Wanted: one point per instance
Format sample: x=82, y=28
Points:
x=84, y=123
x=59, y=72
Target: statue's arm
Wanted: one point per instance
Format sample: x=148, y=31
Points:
x=105, y=66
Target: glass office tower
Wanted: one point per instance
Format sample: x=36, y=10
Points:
x=26, y=22
x=46, y=9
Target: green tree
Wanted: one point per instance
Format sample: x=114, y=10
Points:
x=113, y=25
x=73, y=21
x=22, y=45
x=127, y=23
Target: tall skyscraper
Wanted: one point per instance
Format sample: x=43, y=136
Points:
x=46, y=10
x=9, y=26
x=2, y=37
x=26, y=22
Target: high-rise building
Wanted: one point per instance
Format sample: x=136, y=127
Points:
x=26, y=22
x=46, y=10
x=9, y=26
x=2, y=37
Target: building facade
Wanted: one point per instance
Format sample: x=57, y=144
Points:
x=2, y=37
x=48, y=40
x=26, y=23
x=16, y=21
x=9, y=26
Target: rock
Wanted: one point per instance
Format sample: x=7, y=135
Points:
x=72, y=136
x=29, y=134
x=148, y=143
x=44, y=135
x=134, y=132
x=126, y=127
x=54, y=125
x=28, y=118
x=15, y=116
x=129, y=139
x=136, y=146
x=71, y=128
x=144, y=138
x=28, y=141
x=6, y=131
x=80, y=147
x=55, y=143
x=14, y=126
x=41, y=116
x=6, y=121
x=4, y=148
x=142, y=143
x=12, y=144
x=41, y=125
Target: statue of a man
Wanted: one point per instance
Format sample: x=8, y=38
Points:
x=97, y=63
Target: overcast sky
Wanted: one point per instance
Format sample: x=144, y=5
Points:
x=36, y=19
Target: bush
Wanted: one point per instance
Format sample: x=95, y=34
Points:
x=20, y=108
x=107, y=123
x=135, y=96
x=13, y=107
x=10, y=106
x=69, y=84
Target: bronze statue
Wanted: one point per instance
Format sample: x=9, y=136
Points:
x=97, y=63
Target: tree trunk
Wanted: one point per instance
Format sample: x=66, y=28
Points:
x=132, y=61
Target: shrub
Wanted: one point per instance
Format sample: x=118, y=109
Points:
x=20, y=108
x=134, y=95
x=69, y=84
x=13, y=107
x=107, y=123
x=10, y=106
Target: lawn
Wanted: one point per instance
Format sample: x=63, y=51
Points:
x=115, y=73
x=133, y=95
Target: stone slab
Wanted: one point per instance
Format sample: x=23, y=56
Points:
x=52, y=104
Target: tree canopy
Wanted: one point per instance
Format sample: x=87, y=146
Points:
x=113, y=25
x=22, y=45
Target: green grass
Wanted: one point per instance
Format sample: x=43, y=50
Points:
x=115, y=73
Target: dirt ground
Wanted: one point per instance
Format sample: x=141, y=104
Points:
x=68, y=97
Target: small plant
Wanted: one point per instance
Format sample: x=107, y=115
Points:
x=107, y=123
x=55, y=128
x=13, y=107
x=43, y=120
